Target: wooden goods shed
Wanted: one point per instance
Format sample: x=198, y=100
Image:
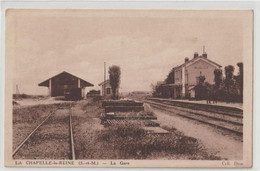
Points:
x=66, y=84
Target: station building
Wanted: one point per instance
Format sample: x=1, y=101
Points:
x=186, y=76
x=106, y=89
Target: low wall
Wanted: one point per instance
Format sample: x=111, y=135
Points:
x=121, y=103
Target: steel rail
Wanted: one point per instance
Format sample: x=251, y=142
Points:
x=29, y=136
x=71, y=136
x=32, y=133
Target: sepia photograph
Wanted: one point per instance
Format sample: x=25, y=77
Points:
x=128, y=88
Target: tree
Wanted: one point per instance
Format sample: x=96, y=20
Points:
x=229, y=70
x=114, y=77
x=218, y=81
x=170, y=77
x=157, y=89
x=240, y=79
x=218, y=77
x=200, y=88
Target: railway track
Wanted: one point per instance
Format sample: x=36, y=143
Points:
x=230, y=121
x=42, y=124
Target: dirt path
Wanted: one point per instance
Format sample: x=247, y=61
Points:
x=219, y=143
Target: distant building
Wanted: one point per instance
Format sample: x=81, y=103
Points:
x=66, y=84
x=106, y=89
x=186, y=76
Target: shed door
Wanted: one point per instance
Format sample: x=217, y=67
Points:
x=58, y=91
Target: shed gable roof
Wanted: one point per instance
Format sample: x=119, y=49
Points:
x=46, y=82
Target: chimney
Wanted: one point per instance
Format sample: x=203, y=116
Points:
x=196, y=54
x=205, y=55
x=186, y=59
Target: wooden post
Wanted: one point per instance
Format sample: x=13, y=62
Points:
x=183, y=81
x=80, y=89
x=50, y=92
x=104, y=79
x=78, y=83
x=83, y=92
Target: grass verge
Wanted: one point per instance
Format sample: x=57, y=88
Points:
x=130, y=141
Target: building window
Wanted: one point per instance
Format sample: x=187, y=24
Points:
x=108, y=90
x=178, y=76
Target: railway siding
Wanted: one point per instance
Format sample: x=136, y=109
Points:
x=51, y=140
x=26, y=119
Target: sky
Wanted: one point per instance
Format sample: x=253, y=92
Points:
x=145, y=44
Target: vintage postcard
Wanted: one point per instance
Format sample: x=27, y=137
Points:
x=128, y=88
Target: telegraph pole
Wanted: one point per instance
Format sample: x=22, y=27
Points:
x=104, y=79
x=17, y=89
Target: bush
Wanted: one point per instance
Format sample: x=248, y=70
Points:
x=26, y=96
x=130, y=141
x=20, y=96
x=15, y=103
